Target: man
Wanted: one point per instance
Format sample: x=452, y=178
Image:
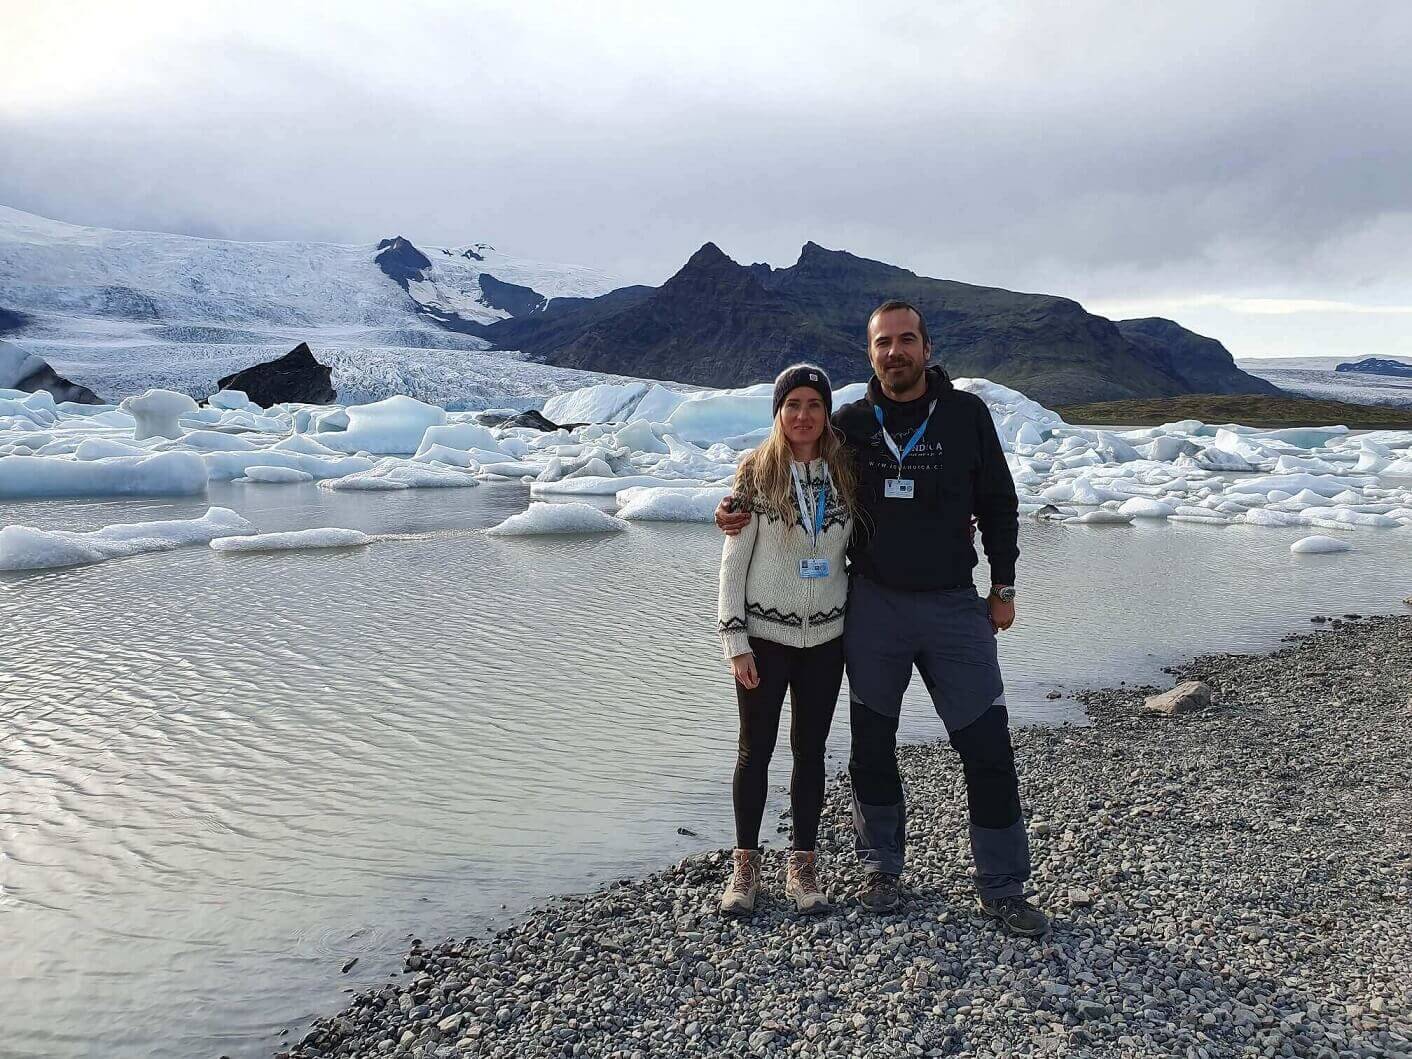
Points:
x=929, y=461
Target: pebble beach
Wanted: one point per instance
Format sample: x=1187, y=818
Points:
x=1234, y=881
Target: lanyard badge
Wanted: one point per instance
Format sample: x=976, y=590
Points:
x=814, y=567
x=900, y=488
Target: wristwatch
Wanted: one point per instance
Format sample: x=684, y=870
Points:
x=1004, y=593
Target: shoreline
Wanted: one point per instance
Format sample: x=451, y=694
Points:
x=1236, y=881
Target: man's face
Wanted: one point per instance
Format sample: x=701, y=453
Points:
x=896, y=349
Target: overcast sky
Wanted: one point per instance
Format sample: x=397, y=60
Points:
x=1243, y=168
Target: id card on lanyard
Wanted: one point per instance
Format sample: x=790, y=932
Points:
x=900, y=488
x=815, y=566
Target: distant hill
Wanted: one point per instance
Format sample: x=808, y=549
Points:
x=1377, y=366
x=719, y=323
x=1251, y=410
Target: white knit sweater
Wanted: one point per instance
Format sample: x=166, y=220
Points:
x=761, y=591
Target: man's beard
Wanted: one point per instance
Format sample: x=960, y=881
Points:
x=898, y=382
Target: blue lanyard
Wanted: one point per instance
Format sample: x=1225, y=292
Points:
x=820, y=507
x=912, y=443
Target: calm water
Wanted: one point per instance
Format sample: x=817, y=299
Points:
x=222, y=776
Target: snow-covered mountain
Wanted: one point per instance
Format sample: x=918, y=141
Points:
x=121, y=311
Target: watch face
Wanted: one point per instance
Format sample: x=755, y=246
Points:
x=1006, y=595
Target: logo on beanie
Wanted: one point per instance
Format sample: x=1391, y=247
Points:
x=813, y=376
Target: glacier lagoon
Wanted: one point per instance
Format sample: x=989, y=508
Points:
x=227, y=775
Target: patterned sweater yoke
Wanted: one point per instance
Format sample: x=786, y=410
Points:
x=761, y=591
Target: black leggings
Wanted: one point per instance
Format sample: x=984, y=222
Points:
x=812, y=675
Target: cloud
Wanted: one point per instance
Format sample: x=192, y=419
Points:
x=1142, y=155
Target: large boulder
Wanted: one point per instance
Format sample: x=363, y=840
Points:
x=295, y=377
x=1187, y=697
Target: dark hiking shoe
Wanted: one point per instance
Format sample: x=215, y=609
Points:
x=880, y=892
x=1016, y=915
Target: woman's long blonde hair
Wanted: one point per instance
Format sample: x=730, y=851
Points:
x=763, y=479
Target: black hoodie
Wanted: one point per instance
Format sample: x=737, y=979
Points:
x=958, y=469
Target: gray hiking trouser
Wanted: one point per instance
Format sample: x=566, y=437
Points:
x=948, y=637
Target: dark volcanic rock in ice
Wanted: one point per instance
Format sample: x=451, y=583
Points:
x=401, y=261
x=21, y=370
x=510, y=297
x=296, y=376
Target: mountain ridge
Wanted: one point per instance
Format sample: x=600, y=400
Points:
x=716, y=322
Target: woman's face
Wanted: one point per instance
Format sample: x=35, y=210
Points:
x=802, y=415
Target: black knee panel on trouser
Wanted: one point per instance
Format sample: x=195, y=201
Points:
x=988, y=761
x=872, y=761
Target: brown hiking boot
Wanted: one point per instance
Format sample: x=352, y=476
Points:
x=744, y=884
x=801, y=883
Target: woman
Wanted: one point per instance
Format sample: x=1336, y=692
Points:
x=781, y=609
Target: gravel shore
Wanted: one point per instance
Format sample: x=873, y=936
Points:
x=1231, y=882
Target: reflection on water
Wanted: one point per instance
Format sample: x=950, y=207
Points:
x=224, y=775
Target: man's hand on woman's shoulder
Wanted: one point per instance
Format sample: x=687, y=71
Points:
x=729, y=521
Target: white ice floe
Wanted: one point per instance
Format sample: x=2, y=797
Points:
x=1319, y=545
x=291, y=540
x=25, y=548
x=161, y=474
x=670, y=505
x=558, y=519
x=605, y=403
x=275, y=475
x=157, y=413
x=394, y=425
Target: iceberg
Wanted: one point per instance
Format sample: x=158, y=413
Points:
x=1319, y=545
x=323, y=537
x=156, y=413
x=603, y=403
x=25, y=548
x=275, y=475
x=558, y=519
x=670, y=505
x=396, y=425
x=160, y=474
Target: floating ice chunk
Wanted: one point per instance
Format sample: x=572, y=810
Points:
x=304, y=445
x=591, y=468
x=233, y=399
x=393, y=473
x=156, y=413
x=639, y=436
x=1265, y=517
x=1168, y=447
x=1319, y=545
x=1216, y=459
x=543, y=518
x=1145, y=507
x=395, y=425
x=511, y=469
x=1101, y=517
x=705, y=418
x=275, y=475
x=1323, y=484
x=606, y=486
x=657, y=404
x=442, y=454
x=24, y=548
x=211, y=441
x=103, y=448
x=1399, y=468
x=160, y=474
x=670, y=505
x=1207, y=519
x=604, y=403
x=324, y=537
x=462, y=436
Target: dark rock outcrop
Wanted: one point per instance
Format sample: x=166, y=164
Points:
x=296, y=376
x=534, y=419
x=1378, y=366
x=401, y=261
x=719, y=323
x=28, y=373
x=510, y=297
x=11, y=320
